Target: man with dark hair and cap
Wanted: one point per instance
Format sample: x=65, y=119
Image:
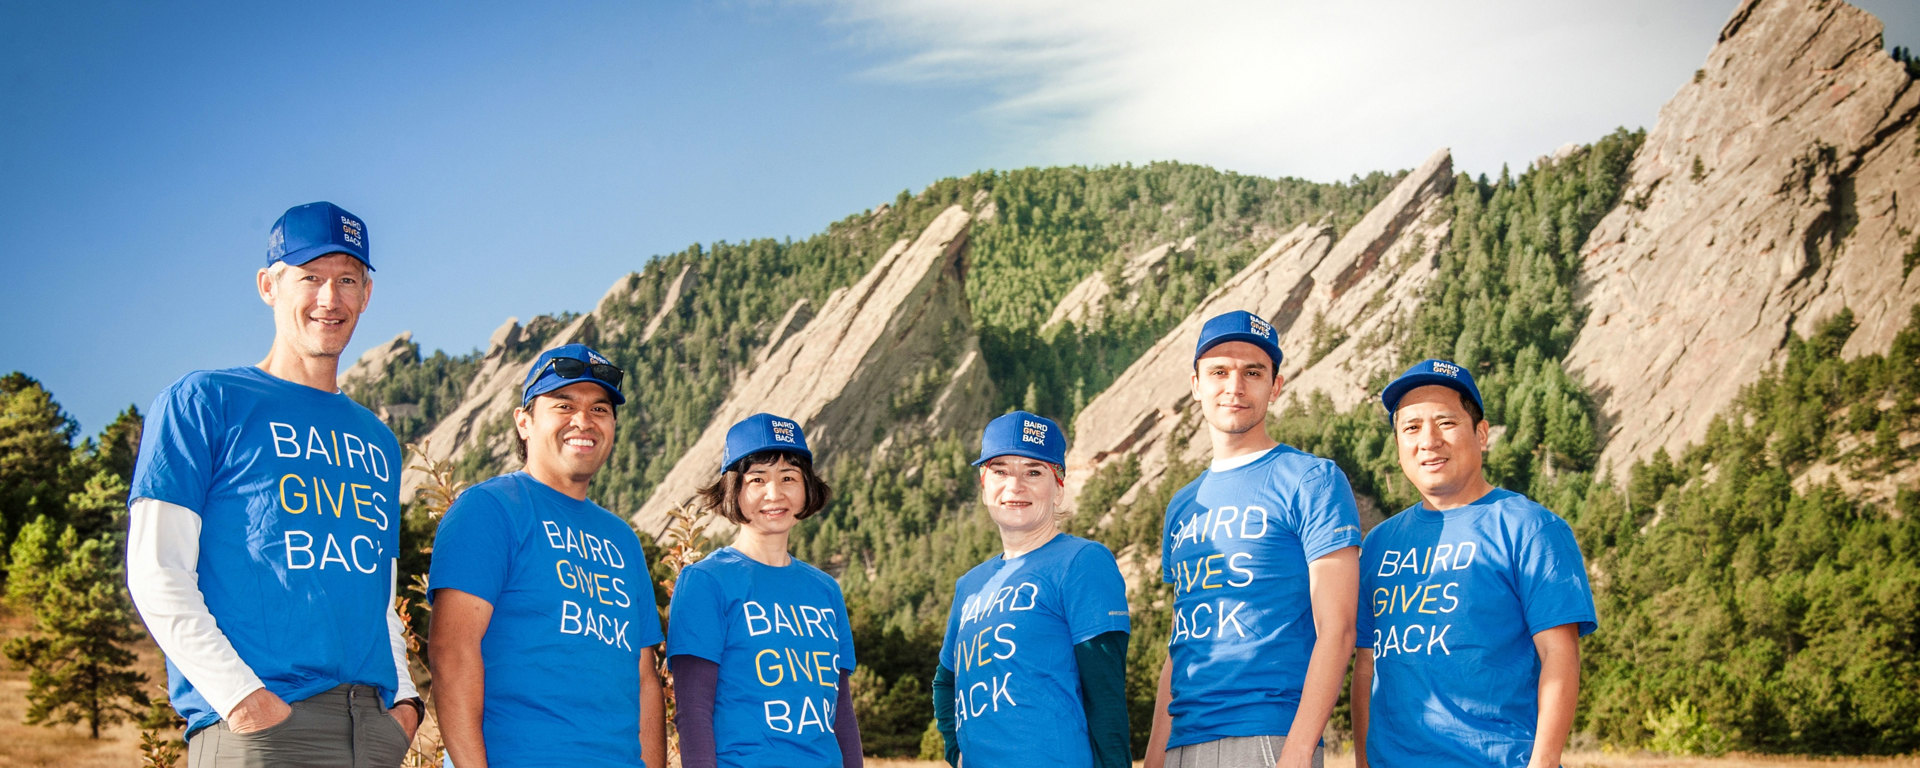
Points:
x=1472, y=601
x=543, y=620
x=1262, y=553
x=264, y=523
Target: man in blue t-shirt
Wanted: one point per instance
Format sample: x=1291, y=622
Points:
x=1262, y=554
x=264, y=524
x=543, y=615
x=1472, y=602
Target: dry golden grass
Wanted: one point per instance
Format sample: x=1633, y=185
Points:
x=65, y=746
x=34, y=746
x=1642, y=760
x=1605, y=760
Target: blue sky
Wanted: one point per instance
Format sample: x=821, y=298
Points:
x=514, y=159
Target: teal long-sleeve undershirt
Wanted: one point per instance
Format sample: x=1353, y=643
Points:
x=1102, y=663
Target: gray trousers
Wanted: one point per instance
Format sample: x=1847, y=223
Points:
x=346, y=727
x=1235, y=752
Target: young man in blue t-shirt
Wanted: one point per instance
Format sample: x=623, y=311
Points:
x=1472, y=602
x=264, y=524
x=1261, y=551
x=543, y=614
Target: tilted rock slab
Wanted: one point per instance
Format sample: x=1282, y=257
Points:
x=375, y=362
x=838, y=374
x=1765, y=199
x=1365, y=284
x=672, y=303
x=1083, y=303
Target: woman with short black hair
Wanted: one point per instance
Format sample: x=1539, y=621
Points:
x=758, y=641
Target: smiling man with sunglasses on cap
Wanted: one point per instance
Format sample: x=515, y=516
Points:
x=544, y=621
x=264, y=522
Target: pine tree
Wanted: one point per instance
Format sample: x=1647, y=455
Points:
x=36, y=443
x=79, y=670
x=99, y=508
x=114, y=450
x=32, y=560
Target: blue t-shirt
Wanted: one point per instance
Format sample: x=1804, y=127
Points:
x=298, y=494
x=1010, y=639
x=781, y=639
x=1235, y=548
x=1449, y=603
x=572, y=609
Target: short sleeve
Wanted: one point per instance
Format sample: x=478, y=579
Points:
x=1328, y=519
x=473, y=548
x=845, y=627
x=1166, y=559
x=648, y=622
x=1552, y=580
x=953, y=629
x=696, y=619
x=1363, y=613
x=1096, y=595
x=177, y=447
x=1180, y=499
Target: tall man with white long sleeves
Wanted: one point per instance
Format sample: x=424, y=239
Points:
x=1262, y=552
x=265, y=520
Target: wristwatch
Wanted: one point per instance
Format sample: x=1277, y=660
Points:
x=419, y=708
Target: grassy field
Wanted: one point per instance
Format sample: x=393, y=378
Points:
x=1605, y=760
x=33, y=746
x=65, y=746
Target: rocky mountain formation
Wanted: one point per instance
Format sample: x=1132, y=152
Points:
x=1085, y=304
x=480, y=421
x=1767, y=197
x=838, y=374
x=1334, y=304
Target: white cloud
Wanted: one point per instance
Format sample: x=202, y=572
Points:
x=1313, y=89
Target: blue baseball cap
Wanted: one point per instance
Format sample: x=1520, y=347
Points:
x=547, y=375
x=307, y=232
x=1427, y=372
x=1023, y=434
x=1238, y=325
x=763, y=432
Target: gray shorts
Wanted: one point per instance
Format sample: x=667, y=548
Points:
x=346, y=727
x=1235, y=752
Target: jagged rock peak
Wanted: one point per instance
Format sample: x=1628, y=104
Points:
x=681, y=283
x=503, y=337
x=621, y=292
x=796, y=318
x=374, y=363
x=1083, y=303
x=841, y=374
x=1764, y=200
x=1369, y=285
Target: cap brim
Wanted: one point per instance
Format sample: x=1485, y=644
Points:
x=552, y=383
x=1390, y=397
x=1035, y=455
x=1272, y=349
x=750, y=454
x=312, y=252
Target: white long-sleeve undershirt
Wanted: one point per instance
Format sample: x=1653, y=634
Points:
x=163, y=550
